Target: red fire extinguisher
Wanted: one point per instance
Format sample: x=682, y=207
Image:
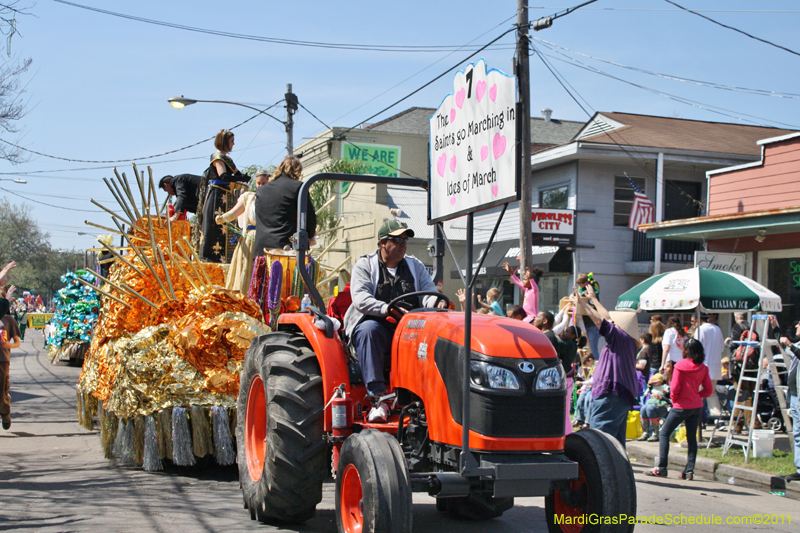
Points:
x=341, y=421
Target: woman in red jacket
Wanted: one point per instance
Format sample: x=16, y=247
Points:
x=690, y=384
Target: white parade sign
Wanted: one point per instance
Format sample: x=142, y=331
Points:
x=473, y=144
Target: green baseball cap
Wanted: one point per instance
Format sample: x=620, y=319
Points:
x=392, y=228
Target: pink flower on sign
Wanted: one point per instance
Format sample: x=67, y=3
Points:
x=493, y=92
x=498, y=145
x=460, y=95
x=480, y=90
x=441, y=164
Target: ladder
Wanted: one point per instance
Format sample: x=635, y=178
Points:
x=756, y=376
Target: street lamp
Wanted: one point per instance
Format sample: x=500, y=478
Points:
x=15, y=180
x=179, y=102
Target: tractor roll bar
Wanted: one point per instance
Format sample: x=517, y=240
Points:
x=301, y=237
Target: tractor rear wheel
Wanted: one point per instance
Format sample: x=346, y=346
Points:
x=605, y=487
x=282, y=456
x=373, y=493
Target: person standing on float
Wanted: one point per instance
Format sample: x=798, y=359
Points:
x=217, y=190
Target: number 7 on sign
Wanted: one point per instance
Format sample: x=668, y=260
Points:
x=469, y=80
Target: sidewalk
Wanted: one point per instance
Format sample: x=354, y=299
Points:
x=646, y=452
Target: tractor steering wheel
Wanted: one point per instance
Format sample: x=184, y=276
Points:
x=393, y=311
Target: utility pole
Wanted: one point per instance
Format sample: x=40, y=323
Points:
x=524, y=116
x=291, y=107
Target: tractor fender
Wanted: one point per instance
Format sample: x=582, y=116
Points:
x=330, y=354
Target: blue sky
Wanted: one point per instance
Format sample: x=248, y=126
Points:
x=98, y=86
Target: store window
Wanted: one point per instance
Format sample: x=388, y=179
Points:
x=554, y=198
x=783, y=276
x=623, y=198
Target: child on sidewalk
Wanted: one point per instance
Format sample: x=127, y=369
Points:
x=529, y=284
x=491, y=304
x=656, y=407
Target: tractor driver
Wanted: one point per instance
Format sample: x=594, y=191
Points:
x=377, y=279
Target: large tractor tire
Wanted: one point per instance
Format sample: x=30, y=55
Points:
x=474, y=506
x=282, y=458
x=605, y=488
x=373, y=493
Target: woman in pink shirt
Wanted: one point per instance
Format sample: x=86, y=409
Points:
x=528, y=284
x=690, y=384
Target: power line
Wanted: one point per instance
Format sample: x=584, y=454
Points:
x=693, y=103
x=713, y=85
x=51, y=205
x=131, y=159
x=274, y=40
x=734, y=29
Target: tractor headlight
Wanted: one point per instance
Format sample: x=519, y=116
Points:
x=551, y=378
x=492, y=377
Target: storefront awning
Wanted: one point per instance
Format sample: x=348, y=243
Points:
x=770, y=221
x=548, y=258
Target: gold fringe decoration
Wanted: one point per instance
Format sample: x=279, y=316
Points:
x=202, y=438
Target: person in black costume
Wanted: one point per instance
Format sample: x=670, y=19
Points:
x=184, y=188
x=276, y=208
x=218, y=199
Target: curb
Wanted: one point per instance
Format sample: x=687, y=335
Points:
x=718, y=471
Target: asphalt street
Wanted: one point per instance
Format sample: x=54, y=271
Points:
x=53, y=478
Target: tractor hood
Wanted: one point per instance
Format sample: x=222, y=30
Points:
x=491, y=335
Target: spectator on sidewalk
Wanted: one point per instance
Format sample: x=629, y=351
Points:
x=586, y=281
x=9, y=339
x=516, y=312
x=710, y=336
x=672, y=342
x=529, y=284
x=491, y=304
x=688, y=376
x=792, y=341
x=656, y=407
x=614, y=382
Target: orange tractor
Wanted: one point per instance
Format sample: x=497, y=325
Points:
x=302, y=406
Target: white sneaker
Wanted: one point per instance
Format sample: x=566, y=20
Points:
x=379, y=414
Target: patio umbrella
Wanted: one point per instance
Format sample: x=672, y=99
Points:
x=713, y=291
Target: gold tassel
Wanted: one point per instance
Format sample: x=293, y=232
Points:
x=202, y=438
x=138, y=438
x=108, y=432
x=164, y=424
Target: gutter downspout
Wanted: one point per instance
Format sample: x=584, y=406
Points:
x=659, y=208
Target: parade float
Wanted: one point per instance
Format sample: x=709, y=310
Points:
x=162, y=370
x=77, y=308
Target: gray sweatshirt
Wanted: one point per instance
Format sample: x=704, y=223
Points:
x=364, y=283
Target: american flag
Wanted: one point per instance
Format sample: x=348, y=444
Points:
x=643, y=210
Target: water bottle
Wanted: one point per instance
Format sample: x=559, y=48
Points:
x=305, y=302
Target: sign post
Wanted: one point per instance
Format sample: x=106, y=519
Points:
x=474, y=157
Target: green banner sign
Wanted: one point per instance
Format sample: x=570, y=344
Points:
x=382, y=160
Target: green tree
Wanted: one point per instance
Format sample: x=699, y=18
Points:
x=322, y=191
x=39, y=266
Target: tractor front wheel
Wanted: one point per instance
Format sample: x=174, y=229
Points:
x=282, y=456
x=373, y=493
x=605, y=487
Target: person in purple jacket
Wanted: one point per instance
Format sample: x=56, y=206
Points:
x=614, y=384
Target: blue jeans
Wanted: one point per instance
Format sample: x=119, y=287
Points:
x=593, y=335
x=692, y=418
x=610, y=415
x=583, y=407
x=653, y=410
x=794, y=411
x=373, y=343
